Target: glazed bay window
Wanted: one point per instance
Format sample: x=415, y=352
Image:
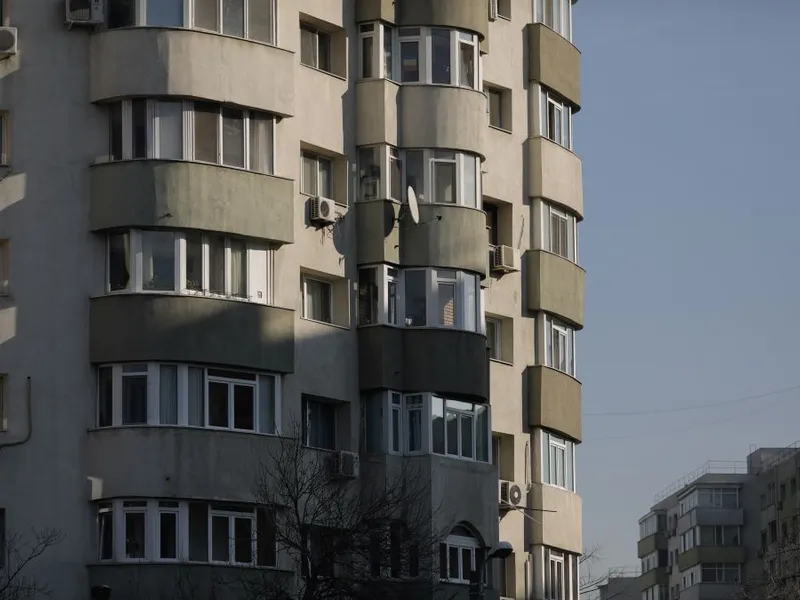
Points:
x=429, y=55
x=558, y=461
x=157, y=394
x=559, y=345
x=412, y=424
x=459, y=555
x=317, y=299
x=561, y=575
x=155, y=530
x=223, y=135
x=556, y=118
x=251, y=19
x=376, y=58
x=556, y=14
x=189, y=263
x=378, y=295
x=319, y=422
x=559, y=232
x=442, y=176
x=380, y=173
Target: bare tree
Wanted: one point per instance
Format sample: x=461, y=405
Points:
x=780, y=574
x=349, y=539
x=590, y=584
x=16, y=583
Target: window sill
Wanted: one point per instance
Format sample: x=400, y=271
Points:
x=336, y=325
x=460, y=458
x=500, y=129
x=324, y=72
x=187, y=294
x=558, y=487
x=184, y=427
x=500, y=361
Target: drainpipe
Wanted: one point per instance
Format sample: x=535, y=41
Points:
x=30, y=420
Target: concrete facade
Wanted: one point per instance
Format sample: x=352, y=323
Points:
x=131, y=253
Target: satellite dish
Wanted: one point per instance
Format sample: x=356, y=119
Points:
x=413, y=207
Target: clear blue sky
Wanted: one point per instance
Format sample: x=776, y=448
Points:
x=689, y=136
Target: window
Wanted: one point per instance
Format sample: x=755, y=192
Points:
x=561, y=575
x=189, y=263
x=319, y=424
x=558, y=461
x=223, y=135
x=222, y=16
x=718, y=497
x=719, y=535
x=424, y=423
x=187, y=396
x=315, y=48
x=378, y=295
x=171, y=531
x=556, y=14
x=317, y=300
x=368, y=49
x=560, y=346
x=559, y=232
x=317, y=176
x=556, y=122
x=505, y=577
x=495, y=98
x=720, y=573
x=504, y=10
x=5, y=267
x=494, y=328
x=459, y=555
x=442, y=176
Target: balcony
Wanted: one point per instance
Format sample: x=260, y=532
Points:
x=651, y=543
x=554, y=401
x=710, y=516
x=560, y=529
x=153, y=327
x=191, y=64
x=447, y=361
x=376, y=103
x=471, y=15
x=554, y=62
x=711, y=554
x=556, y=285
x=657, y=576
x=555, y=174
x=140, y=193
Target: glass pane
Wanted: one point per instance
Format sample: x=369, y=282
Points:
x=217, y=404
x=367, y=297
x=121, y=13
x=414, y=430
x=165, y=13
x=118, y=260
x=453, y=561
x=374, y=422
x=447, y=304
x=308, y=46
x=392, y=300
x=261, y=21
x=216, y=253
x=414, y=173
x=115, y=130
x=472, y=285
x=197, y=411
x=168, y=526
x=266, y=404
x=444, y=181
x=325, y=184
x=324, y=51
x=243, y=545
x=106, y=534
x=244, y=407
x=466, y=563
x=440, y=56
x=495, y=117
x=261, y=143
x=318, y=300
x=395, y=430
x=134, y=535
x=309, y=181
x=238, y=268
x=409, y=61
x=388, y=55
x=395, y=176
x=232, y=137
x=220, y=539
x=168, y=395
x=206, y=14
x=233, y=17
x=416, y=307
x=452, y=433
x=134, y=400
x=194, y=261
x=139, y=127
x=367, y=48
x=466, y=436
x=105, y=382
x=470, y=191
x=467, y=66
x=206, y=123
x=158, y=260
x=369, y=165
x=170, y=130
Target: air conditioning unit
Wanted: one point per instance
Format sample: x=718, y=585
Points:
x=510, y=494
x=492, y=10
x=506, y=259
x=322, y=210
x=85, y=12
x=345, y=465
x=8, y=41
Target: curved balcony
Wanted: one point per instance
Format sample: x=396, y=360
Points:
x=192, y=64
x=555, y=174
x=151, y=327
x=447, y=236
x=140, y=193
x=376, y=102
x=471, y=15
x=559, y=523
x=554, y=401
x=441, y=116
x=556, y=285
x=554, y=62
x=377, y=232
x=446, y=361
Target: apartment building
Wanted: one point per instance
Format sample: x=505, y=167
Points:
x=206, y=243
x=725, y=529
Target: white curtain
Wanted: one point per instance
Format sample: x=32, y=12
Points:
x=168, y=395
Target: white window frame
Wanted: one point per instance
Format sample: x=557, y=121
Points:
x=153, y=374
x=548, y=212
x=136, y=270
x=320, y=280
x=496, y=344
x=188, y=7
x=563, y=8
x=5, y=267
x=122, y=539
x=564, y=137
x=231, y=384
x=383, y=183
x=566, y=479
x=570, y=575
x=231, y=516
x=316, y=31
x=384, y=276
x=152, y=141
x=373, y=31
x=429, y=158
x=462, y=543
x=318, y=159
x=162, y=508
x=5, y=132
x=307, y=422
x=566, y=334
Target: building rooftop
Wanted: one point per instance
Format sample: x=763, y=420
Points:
x=711, y=467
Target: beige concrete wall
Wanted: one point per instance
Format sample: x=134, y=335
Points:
x=376, y=102
x=555, y=174
x=193, y=64
x=378, y=232
x=554, y=62
x=555, y=401
x=556, y=285
x=560, y=529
